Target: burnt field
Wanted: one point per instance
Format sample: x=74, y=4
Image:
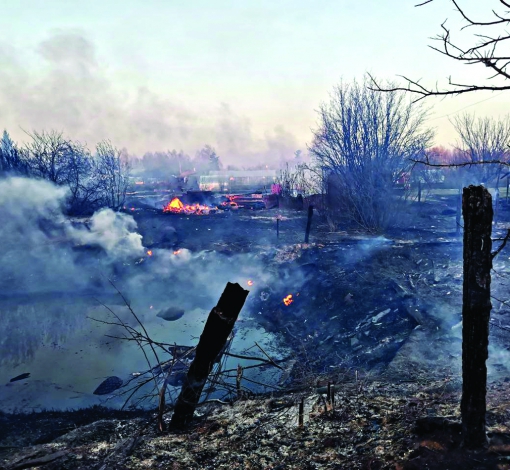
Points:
x=383, y=304
x=377, y=316
x=346, y=304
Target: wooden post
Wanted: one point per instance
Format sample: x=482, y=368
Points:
x=277, y=227
x=308, y=223
x=217, y=329
x=301, y=412
x=476, y=307
x=419, y=189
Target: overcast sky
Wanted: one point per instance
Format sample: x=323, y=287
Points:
x=245, y=76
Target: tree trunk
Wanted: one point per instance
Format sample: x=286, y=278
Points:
x=476, y=307
x=218, y=327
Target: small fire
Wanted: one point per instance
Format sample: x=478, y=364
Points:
x=149, y=252
x=250, y=282
x=288, y=300
x=177, y=207
x=176, y=252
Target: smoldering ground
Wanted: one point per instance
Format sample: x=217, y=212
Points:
x=358, y=301
x=57, y=272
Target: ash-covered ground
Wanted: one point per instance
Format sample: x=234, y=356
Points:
x=361, y=308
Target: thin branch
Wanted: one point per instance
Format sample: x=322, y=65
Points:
x=503, y=244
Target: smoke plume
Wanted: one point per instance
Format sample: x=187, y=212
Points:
x=68, y=88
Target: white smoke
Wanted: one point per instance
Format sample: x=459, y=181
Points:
x=114, y=232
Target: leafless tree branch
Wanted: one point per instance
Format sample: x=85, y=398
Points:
x=484, y=53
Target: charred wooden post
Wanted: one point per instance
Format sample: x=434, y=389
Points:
x=301, y=412
x=476, y=307
x=277, y=227
x=217, y=329
x=308, y=223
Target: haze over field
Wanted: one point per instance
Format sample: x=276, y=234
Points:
x=244, y=77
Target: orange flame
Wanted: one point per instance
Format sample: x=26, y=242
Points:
x=149, y=252
x=176, y=252
x=288, y=300
x=250, y=282
x=177, y=207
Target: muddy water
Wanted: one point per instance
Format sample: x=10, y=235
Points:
x=68, y=354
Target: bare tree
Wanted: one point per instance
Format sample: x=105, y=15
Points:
x=366, y=141
x=50, y=154
x=64, y=162
x=483, y=140
x=112, y=175
x=487, y=50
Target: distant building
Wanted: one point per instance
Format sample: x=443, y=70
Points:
x=238, y=180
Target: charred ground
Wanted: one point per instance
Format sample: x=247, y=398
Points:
x=376, y=315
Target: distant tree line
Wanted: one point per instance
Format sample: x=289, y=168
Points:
x=94, y=180
x=173, y=164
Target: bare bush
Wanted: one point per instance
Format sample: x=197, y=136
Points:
x=365, y=141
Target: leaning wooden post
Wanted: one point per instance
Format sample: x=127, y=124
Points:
x=476, y=307
x=308, y=223
x=217, y=329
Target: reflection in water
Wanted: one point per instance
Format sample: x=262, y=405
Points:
x=25, y=328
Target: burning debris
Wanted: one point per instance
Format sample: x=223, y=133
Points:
x=175, y=206
x=287, y=300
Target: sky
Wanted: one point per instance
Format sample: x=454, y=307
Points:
x=245, y=76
